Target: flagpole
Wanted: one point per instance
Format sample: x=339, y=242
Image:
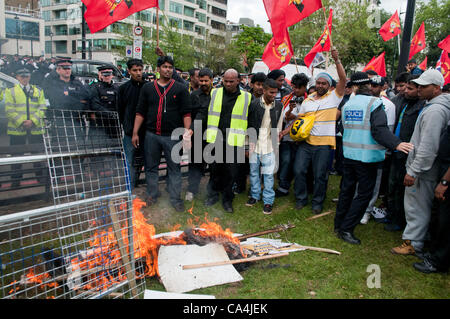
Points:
x=295, y=60
x=328, y=27
x=157, y=25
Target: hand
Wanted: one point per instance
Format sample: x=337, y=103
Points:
x=28, y=124
x=334, y=54
x=405, y=147
x=159, y=52
x=409, y=180
x=440, y=191
x=135, y=140
x=283, y=133
x=292, y=104
x=92, y=115
x=187, y=144
x=251, y=148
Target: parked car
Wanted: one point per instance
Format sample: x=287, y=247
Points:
x=6, y=81
x=86, y=70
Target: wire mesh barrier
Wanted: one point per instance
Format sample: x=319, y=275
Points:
x=82, y=246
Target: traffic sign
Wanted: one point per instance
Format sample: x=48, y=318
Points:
x=129, y=51
x=138, y=30
x=137, y=48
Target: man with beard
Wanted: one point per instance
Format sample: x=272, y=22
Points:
x=200, y=100
x=316, y=149
x=406, y=117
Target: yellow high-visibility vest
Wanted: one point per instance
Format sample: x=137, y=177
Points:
x=238, y=124
x=19, y=108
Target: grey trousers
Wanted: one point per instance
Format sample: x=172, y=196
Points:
x=418, y=202
x=376, y=191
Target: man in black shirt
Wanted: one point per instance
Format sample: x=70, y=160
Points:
x=164, y=106
x=127, y=99
x=200, y=100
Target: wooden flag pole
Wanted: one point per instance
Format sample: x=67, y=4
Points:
x=328, y=27
x=157, y=25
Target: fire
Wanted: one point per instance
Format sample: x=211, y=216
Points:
x=100, y=266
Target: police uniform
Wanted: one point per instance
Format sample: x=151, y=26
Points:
x=104, y=99
x=365, y=139
x=24, y=103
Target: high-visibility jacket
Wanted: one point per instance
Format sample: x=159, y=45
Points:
x=239, y=115
x=19, y=107
x=358, y=143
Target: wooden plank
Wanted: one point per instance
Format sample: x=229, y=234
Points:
x=234, y=261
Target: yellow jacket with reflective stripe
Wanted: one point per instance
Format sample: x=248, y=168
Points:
x=238, y=124
x=19, y=108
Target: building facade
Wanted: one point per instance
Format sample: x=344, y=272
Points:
x=200, y=19
x=21, y=29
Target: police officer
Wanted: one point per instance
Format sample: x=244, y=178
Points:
x=24, y=107
x=104, y=99
x=365, y=137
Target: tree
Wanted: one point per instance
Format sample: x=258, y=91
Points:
x=250, y=43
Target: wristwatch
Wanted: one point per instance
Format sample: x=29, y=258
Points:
x=444, y=182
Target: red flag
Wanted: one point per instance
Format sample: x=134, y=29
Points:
x=443, y=65
x=284, y=13
x=423, y=65
x=323, y=44
x=418, y=41
x=391, y=27
x=278, y=52
x=445, y=44
x=377, y=64
x=101, y=13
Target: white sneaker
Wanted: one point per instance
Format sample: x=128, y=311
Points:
x=379, y=213
x=365, y=218
x=189, y=197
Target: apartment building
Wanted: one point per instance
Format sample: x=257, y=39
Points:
x=203, y=20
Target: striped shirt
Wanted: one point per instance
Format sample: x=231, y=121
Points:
x=325, y=109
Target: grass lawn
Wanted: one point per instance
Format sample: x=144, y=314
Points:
x=308, y=274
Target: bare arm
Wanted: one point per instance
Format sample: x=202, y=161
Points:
x=340, y=86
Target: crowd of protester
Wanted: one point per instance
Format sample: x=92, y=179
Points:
x=386, y=143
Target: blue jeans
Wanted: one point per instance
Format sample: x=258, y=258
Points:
x=319, y=155
x=267, y=164
x=130, y=152
x=288, y=151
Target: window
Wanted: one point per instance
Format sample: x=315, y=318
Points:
x=18, y=29
x=100, y=45
x=188, y=25
x=162, y=4
x=74, y=30
x=219, y=12
x=48, y=47
x=46, y=3
x=200, y=16
x=200, y=30
x=217, y=25
x=47, y=30
x=202, y=4
x=46, y=15
x=176, y=7
x=175, y=22
x=60, y=46
x=61, y=30
x=61, y=15
x=74, y=13
x=189, y=11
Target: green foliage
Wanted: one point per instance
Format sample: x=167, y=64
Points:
x=435, y=14
x=250, y=42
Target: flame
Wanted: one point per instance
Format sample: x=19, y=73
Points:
x=101, y=266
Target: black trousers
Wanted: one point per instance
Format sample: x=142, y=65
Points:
x=24, y=140
x=350, y=209
x=224, y=174
x=440, y=251
x=396, y=193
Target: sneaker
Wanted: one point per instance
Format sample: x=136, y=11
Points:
x=189, y=197
x=299, y=206
x=404, y=249
x=251, y=201
x=316, y=211
x=335, y=200
x=365, y=218
x=211, y=201
x=150, y=201
x=379, y=213
x=267, y=209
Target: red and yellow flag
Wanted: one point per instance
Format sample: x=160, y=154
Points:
x=377, y=64
x=443, y=65
x=391, y=28
x=418, y=41
x=285, y=13
x=445, y=44
x=423, y=65
x=323, y=43
x=278, y=51
x=101, y=13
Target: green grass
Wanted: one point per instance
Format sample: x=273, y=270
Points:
x=308, y=274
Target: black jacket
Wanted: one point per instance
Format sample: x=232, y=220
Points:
x=127, y=100
x=104, y=96
x=256, y=114
x=163, y=118
x=72, y=95
x=199, y=100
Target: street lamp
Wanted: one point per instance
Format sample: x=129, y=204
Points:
x=51, y=44
x=17, y=33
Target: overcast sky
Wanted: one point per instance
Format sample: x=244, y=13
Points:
x=254, y=9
